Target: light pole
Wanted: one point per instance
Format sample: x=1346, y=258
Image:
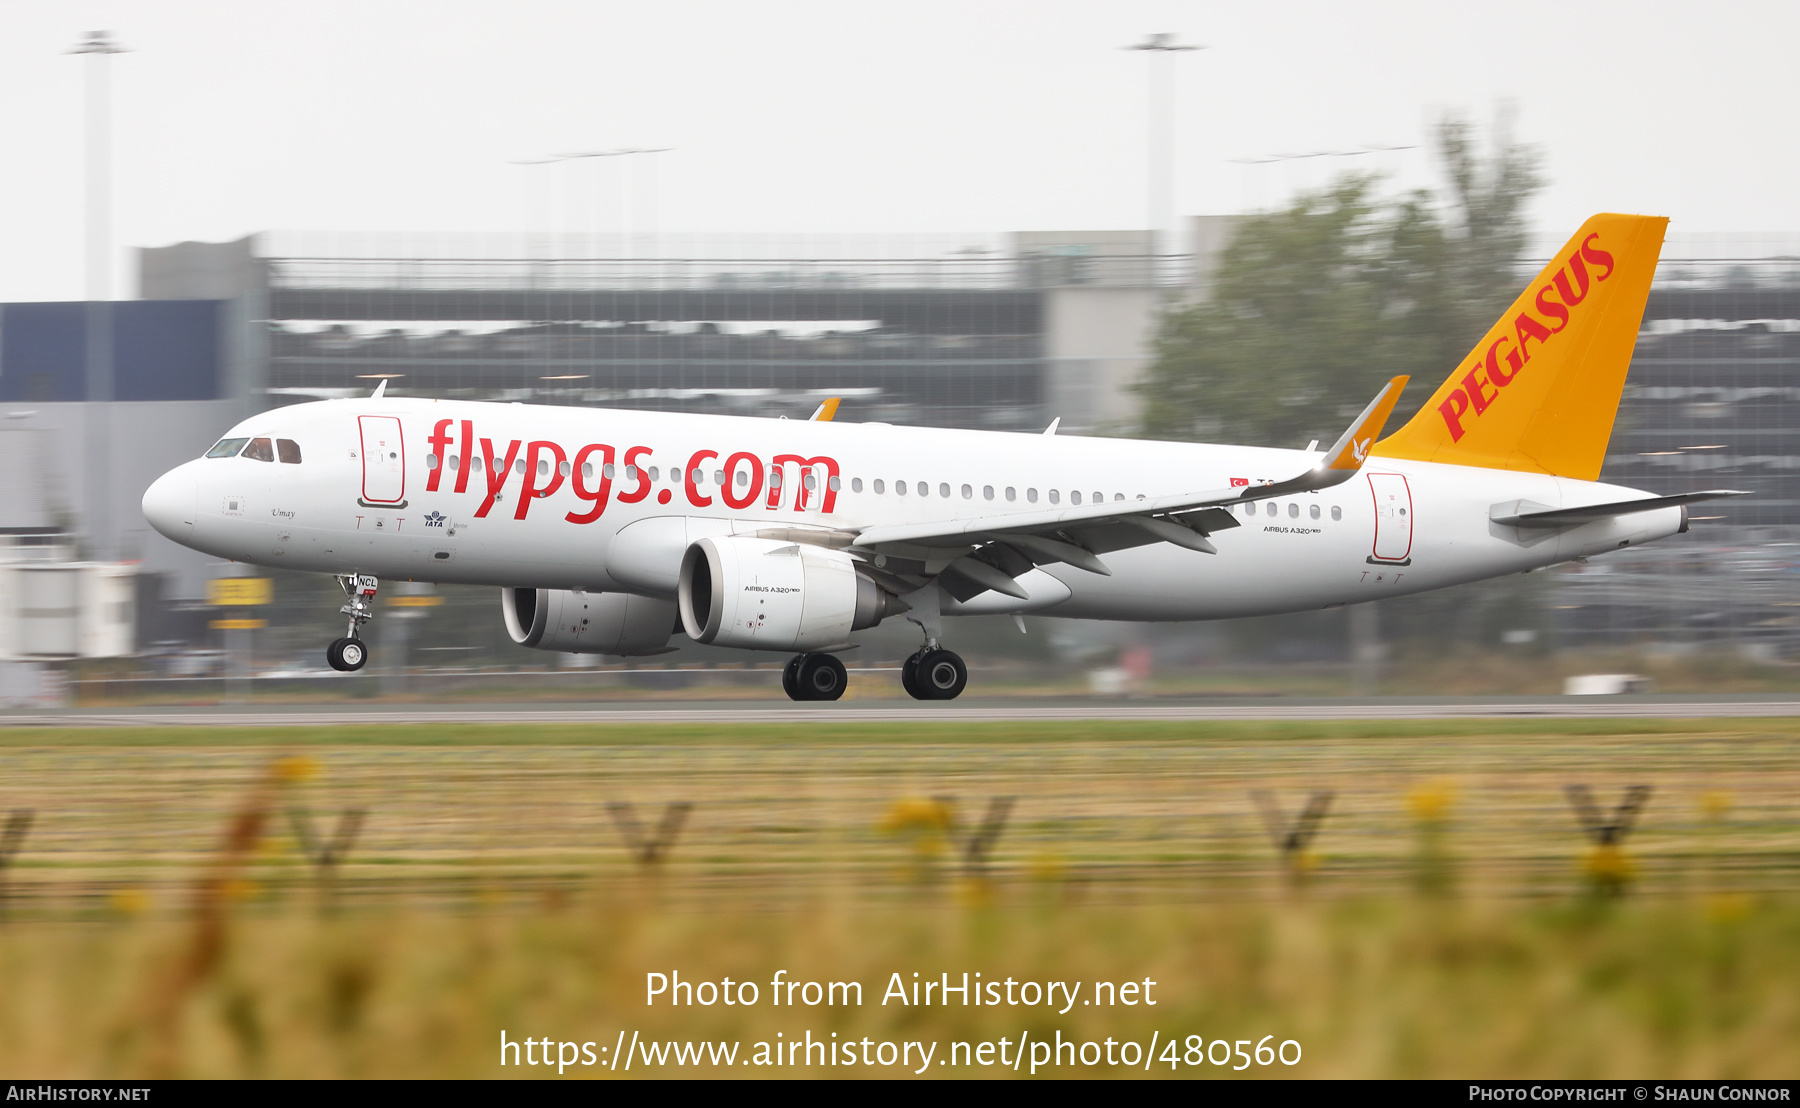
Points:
x=99, y=354
x=1161, y=175
x=622, y=152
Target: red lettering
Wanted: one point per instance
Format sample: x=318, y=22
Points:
x=530, y=491
x=643, y=479
x=468, y=455
x=693, y=471
x=1569, y=295
x=806, y=465
x=1472, y=384
x=1551, y=308
x=1453, y=410
x=1597, y=256
x=1493, y=363
x=1528, y=328
x=438, y=441
x=578, y=483
x=754, y=487
x=496, y=474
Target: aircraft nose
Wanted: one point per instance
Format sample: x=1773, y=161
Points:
x=170, y=501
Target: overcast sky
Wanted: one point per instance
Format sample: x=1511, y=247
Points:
x=970, y=115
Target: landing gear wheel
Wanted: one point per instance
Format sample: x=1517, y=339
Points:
x=790, y=676
x=820, y=677
x=940, y=675
x=909, y=675
x=347, y=655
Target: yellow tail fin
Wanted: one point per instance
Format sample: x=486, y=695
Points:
x=1541, y=389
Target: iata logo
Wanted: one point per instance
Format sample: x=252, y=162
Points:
x=1481, y=385
x=544, y=467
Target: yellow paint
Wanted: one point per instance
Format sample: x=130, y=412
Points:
x=826, y=410
x=239, y=624
x=415, y=601
x=240, y=591
x=1356, y=449
x=1546, y=404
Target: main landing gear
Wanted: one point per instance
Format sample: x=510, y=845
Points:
x=934, y=673
x=814, y=677
x=348, y=654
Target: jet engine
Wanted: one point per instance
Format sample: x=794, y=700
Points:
x=770, y=594
x=578, y=622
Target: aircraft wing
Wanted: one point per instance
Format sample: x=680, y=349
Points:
x=1000, y=547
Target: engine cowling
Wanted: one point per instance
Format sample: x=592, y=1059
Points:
x=771, y=594
x=577, y=622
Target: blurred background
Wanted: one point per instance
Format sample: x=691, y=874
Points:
x=1187, y=242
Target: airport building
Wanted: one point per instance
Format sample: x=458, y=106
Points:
x=996, y=332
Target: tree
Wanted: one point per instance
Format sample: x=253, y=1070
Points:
x=1316, y=305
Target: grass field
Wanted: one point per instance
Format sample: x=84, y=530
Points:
x=1450, y=918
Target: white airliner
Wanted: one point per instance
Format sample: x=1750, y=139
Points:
x=611, y=531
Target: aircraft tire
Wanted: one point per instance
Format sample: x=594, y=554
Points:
x=909, y=675
x=821, y=677
x=941, y=675
x=790, y=676
x=347, y=655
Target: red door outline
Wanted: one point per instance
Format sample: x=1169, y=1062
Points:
x=381, y=434
x=1398, y=520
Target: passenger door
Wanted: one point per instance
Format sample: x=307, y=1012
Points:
x=384, y=462
x=1393, y=518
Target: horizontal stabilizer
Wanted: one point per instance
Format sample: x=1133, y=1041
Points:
x=1513, y=513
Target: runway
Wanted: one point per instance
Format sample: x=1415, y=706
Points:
x=988, y=710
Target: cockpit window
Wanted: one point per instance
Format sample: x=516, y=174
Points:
x=226, y=448
x=290, y=451
x=260, y=450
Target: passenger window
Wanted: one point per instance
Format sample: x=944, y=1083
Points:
x=675, y=476
x=543, y=467
x=834, y=484
x=880, y=486
x=519, y=467
x=655, y=476
x=1010, y=494
x=1337, y=512
x=261, y=450
x=967, y=492
x=289, y=451
x=1031, y=495
x=987, y=492
x=1294, y=510
x=900, y=487
x=944, y=490
x=808, y=480
x=455, y=463
x=587, y=470
x=606, y=471
x=1314, y=511
x=1075, y=497
x=718, y=477
x=1273, y=508
x=431, y=460
x=562, y=468
x=226, y=448
x=1055, y=496
x=630, y=473
x=1250, y=509
x=1121, y=496
x=924, y=489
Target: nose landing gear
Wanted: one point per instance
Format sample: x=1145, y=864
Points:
x=814, y=677
x=350, y=653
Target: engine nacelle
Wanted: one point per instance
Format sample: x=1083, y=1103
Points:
x=576, y=622
x=770, y=594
